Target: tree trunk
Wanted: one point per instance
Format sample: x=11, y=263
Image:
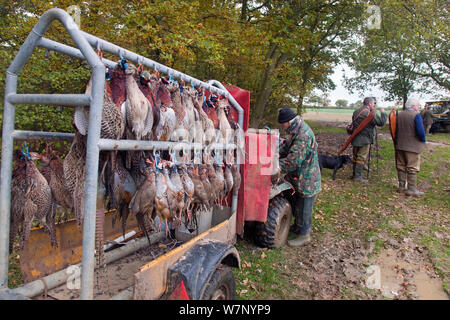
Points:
x=300, y=103
x=405, y=98
x=244, y=10
x=275, y=59
x=265, y=89
x=302, y=90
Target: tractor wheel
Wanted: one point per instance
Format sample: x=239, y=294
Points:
x=274, y=232
x=221, y=286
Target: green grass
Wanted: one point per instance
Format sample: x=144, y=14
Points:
x=320, y=128
x=14, y=274
x=260, y=276
x=441, y=137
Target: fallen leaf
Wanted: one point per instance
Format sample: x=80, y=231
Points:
x=263, y=255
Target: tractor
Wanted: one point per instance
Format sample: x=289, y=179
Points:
x=441, y=116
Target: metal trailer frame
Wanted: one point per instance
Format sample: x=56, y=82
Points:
x=85, y=43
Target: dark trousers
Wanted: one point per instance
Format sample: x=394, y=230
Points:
x=302, y=209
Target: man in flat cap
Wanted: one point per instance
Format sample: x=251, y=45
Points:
x=300, y=165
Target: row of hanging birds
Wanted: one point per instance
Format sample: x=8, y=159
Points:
x=137, y=105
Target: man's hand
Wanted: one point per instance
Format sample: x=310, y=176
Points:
x=275, y=177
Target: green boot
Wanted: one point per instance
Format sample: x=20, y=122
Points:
x=358, y=173
x=401, y=181
x=300, y=240
x=412, y=186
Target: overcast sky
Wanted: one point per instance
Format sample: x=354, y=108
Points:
x=342, y=93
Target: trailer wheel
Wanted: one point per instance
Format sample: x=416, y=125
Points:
x=221, y=286
x=274, y=232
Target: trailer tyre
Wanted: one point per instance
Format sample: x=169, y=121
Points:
x=221, y=286
x=274, y=232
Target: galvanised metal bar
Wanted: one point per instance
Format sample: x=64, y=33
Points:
x=70, y=51
x=129, y=55
x=6, y=176
x=231, y=99
x=108, y=144
x=38, y=32
x=69, y=100
x=90, y=199
x=26, y=135
x=109, y=47
x=8, y=294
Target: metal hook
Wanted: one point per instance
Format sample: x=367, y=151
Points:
x=25, y=151
x=140, y=60
x=173, y=156
x=218, y=157
x=197, y=156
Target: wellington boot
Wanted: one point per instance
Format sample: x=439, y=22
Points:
x=358, y=173
x=294, y=229
x=401, y=181
x=412, y=186
x=300, y=240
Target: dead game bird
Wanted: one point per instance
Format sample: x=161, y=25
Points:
x=31, y=199
x=53, y=168
x=143, y=202
x=75, y=173
x=139, y=113
x=161, y=201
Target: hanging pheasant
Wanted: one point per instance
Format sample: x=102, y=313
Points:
x=31, y=199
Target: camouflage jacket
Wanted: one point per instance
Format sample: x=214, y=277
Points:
x=299, y=159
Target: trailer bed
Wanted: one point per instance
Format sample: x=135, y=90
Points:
x=117, y=276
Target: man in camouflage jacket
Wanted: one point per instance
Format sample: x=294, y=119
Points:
x=300, y=166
